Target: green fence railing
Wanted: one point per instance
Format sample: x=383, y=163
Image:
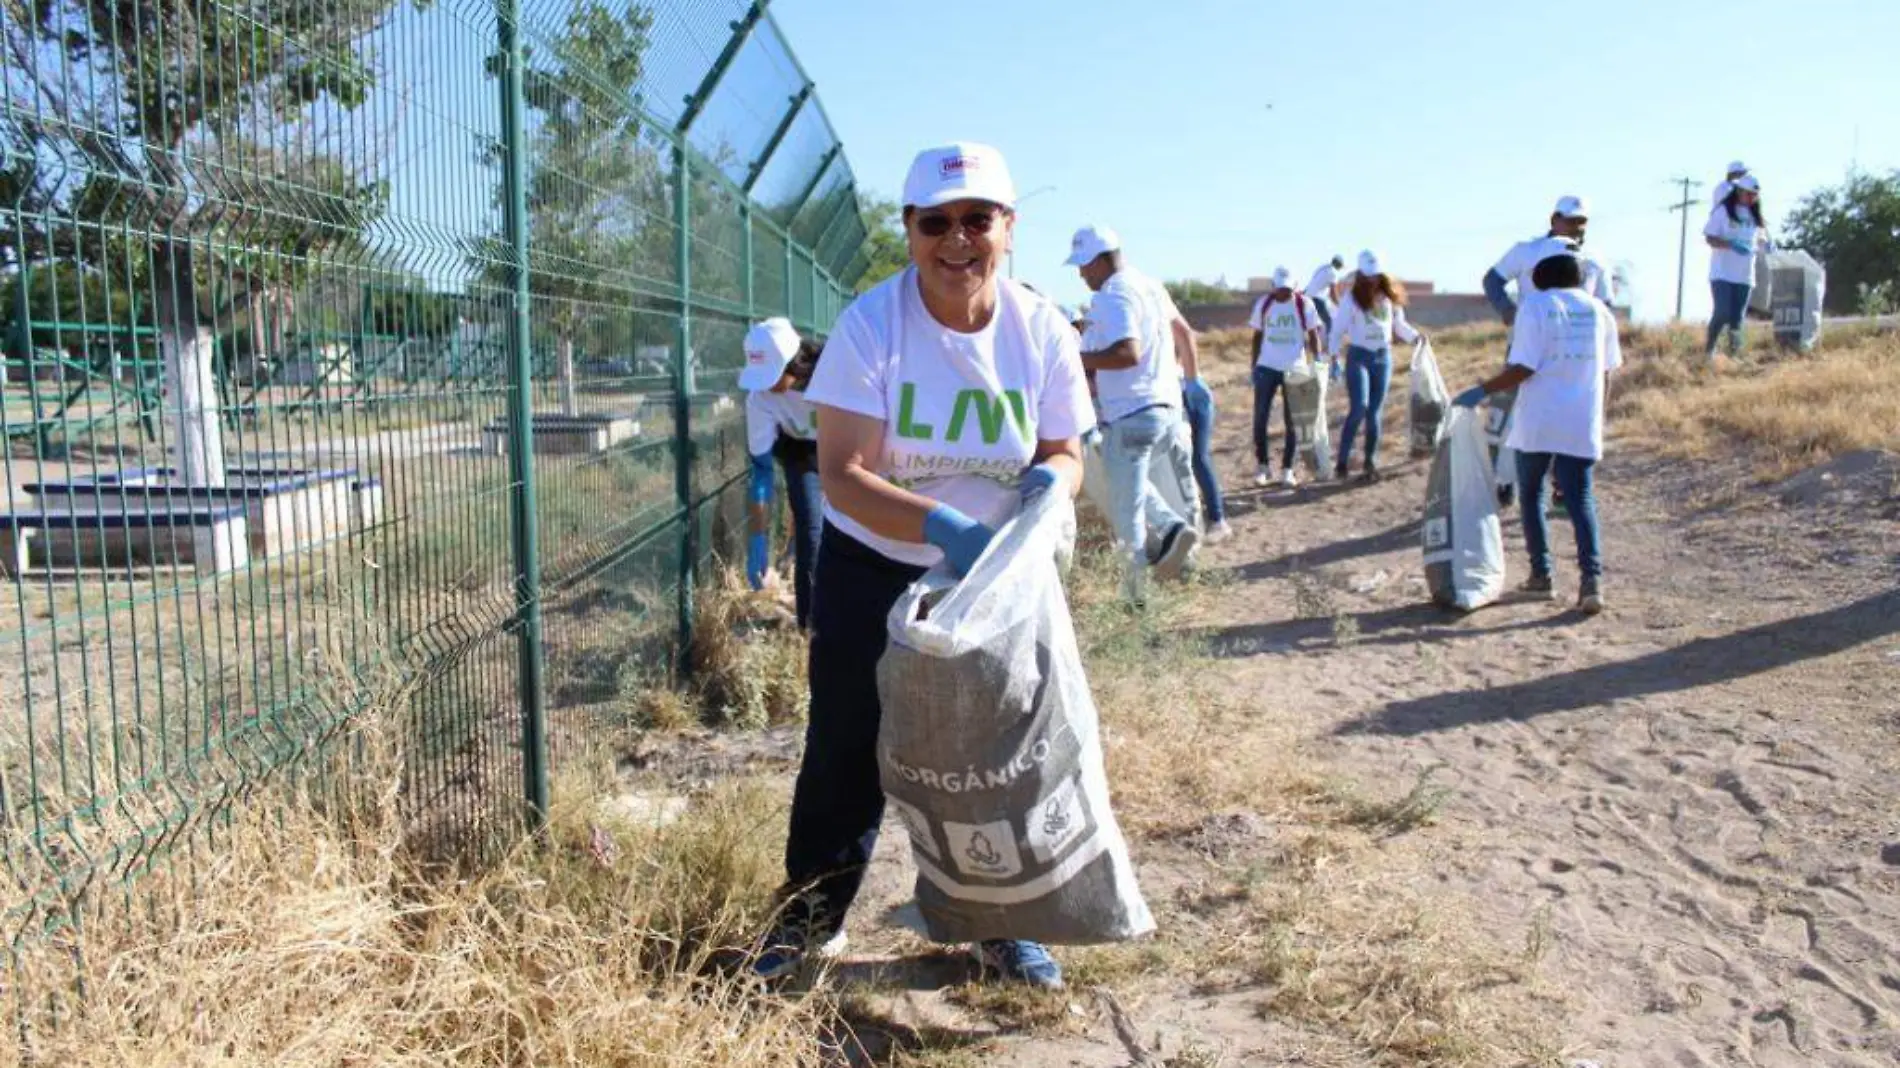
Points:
x=370, y=355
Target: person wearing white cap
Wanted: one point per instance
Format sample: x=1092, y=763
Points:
x=1737, y=170
x=1736, y=231
x=1372, y=314
x=946, y=395
x=1323, y=289
x=1286, y=327
x=780, y=422
x=1569, y=223
x=1129, y=347
x=1562, y=355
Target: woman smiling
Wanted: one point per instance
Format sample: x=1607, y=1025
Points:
x=946, y=395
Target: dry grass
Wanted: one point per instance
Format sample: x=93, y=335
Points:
x=305, y=941
x=1783, y=410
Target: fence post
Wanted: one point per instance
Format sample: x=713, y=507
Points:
x=751, y=297
x=683, y=388
x=522, y=517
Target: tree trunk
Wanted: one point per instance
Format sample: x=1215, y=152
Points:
x=191, y=385
x=570, y=401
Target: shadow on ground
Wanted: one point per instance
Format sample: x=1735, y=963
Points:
x=1704, y=662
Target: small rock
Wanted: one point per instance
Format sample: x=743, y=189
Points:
x=1890, y=854
x=1371, y=582
x=645, y=810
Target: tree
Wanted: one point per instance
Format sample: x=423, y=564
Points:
x=1194, y=291
x=1854, y=229
x=884, y=246
x=600, y=198
x=168, y=148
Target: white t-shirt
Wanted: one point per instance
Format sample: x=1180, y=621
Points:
x=1568, y=339
x=1353, y=325
x=962, y=413
x=767, y=414
x=1320, y=287
x=1283, y=328
x=1726, y=264
x=1132, y=305
x=1523, y=258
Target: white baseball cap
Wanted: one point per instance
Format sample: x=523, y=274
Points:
x=1738, y=167
x=1748, y=182
x=1090, y=242
x=1369, y=263
x=1282, y=278
x=769, y=347
x=964, y=170
x=1571, y=208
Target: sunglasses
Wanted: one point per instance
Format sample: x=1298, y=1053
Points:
x=939, y=223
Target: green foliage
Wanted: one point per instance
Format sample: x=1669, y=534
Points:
x=64, y=294
x=885, y=248
x=1193, y=291
x=1854, y=229
x=599, y=194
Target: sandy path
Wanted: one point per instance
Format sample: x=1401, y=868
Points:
x=1690, y=801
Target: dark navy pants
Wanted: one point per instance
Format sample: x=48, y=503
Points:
x=803, y=493
x=839, y=801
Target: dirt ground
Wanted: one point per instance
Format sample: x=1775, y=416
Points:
x=1687, y=805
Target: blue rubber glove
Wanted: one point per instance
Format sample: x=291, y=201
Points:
x=1742, y=247
x=1195, y=392
x=1038, y=479
x=1470, y=398
x=758, y=552
x=961, y=538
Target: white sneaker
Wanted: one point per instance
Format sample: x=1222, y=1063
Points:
x=1289, y=479
x=1219, y=532
x=1262, y=477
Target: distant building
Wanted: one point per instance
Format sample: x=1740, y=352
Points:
x=1425, y=306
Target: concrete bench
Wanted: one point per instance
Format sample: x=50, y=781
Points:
x=211, y=538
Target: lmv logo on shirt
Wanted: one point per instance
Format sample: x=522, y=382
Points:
x=988, y=409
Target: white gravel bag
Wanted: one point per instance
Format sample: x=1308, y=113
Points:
x=991, y=753
x=1463, y=538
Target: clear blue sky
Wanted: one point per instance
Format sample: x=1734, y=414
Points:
x=1436, y=132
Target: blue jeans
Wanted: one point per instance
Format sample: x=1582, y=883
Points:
x=839, y=800
x=802, y=492
x=1575, y=480
x=1731, y=304
x=1368, y=377
x=1131, y=446
x=1267, y=382
x=1200, y=417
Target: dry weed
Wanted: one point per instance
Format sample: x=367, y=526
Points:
x=304, y=943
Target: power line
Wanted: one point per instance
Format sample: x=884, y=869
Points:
x=1682, y=253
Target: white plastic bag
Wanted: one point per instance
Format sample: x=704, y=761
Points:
x=990, y=751
x=1463, y=537
x=1430, y=401
x=1306, y=397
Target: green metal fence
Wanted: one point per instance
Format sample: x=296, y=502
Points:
x=370, y=355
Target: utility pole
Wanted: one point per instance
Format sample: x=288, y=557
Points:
x=1682, y=253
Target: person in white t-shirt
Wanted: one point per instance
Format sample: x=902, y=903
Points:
x=1562, y=353
x=1129, y=348
x=1569, y=224
x=1736, y=232
x=780, y=422
x=1323, y=289
x=1737, y=170
x=1287, y=328
x=946, y=395
x=1372, y=314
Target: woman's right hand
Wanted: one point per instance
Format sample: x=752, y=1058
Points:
x=961, y=538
